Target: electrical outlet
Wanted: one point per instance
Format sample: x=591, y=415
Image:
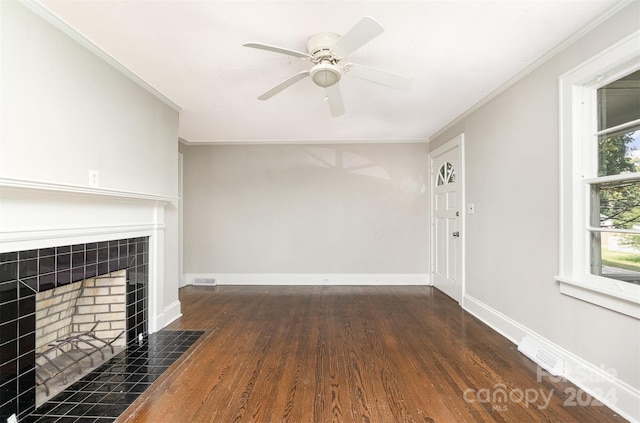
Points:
x=471, y=208
x=94, y=178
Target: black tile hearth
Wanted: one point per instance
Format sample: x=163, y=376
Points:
x=102, y=395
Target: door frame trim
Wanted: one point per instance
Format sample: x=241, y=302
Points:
x=456, y=142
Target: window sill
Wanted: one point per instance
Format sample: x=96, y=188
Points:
x=618, y=296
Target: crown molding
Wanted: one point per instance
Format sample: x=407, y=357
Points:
x=40, y=10
x=526, y=71
x=307, y=142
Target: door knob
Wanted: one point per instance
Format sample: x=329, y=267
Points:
x=456, y=234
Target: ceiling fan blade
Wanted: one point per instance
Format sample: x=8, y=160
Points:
x=334, y=98
x=281, y=50
x=379, y=76
x=284, y=84
x=363, y=32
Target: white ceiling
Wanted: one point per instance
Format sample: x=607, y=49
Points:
x=458, y=52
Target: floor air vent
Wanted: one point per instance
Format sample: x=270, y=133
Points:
x=204, y=281
x=541, y=356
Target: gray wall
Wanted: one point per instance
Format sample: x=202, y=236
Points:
x=306, y=209
x=65, y=110
x=512, y=240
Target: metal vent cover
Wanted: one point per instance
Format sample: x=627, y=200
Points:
x=541, y=356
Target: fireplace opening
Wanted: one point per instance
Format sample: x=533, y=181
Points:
x=25, y=274
x=79, y=326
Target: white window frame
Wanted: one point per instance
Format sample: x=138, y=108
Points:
x=578, y=122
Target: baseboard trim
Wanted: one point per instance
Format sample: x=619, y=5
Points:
x=599, y=382
x=170, y=313
x=312, y=278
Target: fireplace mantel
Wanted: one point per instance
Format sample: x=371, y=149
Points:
x=33, y=185
x=36, y=214
x=40, y=214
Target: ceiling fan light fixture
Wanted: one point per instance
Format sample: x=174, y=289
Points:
x=325, y=74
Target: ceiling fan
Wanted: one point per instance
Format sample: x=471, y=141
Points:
x=325, y=51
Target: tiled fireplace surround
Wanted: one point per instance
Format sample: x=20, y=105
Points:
x=25, y=273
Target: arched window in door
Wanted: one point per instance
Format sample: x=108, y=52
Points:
x=446, y=174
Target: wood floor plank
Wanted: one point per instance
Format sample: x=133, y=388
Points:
x=347, y=354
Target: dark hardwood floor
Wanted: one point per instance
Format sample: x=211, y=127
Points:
x=348, y=354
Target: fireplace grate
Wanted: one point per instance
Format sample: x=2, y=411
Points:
x=102, y=395
x=69, y=352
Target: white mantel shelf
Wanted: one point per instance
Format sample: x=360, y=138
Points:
x=40, y=214
x=31, y=185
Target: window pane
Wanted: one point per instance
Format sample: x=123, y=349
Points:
x=619, y=152
x=446, y=174
x=451, y=173
x=619, y=101
x=616, y=256
x=441, y=176
x=616, y=205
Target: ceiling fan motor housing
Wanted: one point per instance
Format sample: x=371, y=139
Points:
x=319, y=45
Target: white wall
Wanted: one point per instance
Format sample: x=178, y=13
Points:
x=65, y=111
x=321, y=212
x=512, y=240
